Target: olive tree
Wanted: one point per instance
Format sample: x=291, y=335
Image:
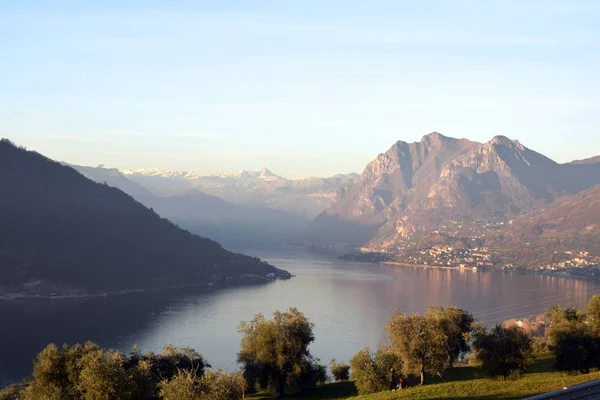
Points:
x=103, y=376
x=575, y=338
x=593, y=310
x=277, y=348
x=370, y=372
x=503, y=351
x=339, y=370
x=456, y=324
x=420, y=343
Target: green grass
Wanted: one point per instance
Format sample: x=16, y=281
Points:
x=333, y=391
x=461, y=383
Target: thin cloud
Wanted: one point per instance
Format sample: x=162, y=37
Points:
x=167, y=134
x=206, y=135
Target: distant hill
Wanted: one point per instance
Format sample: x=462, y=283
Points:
x=112, y=177
x=593, y=160
x=453, y=186
x=62, y=233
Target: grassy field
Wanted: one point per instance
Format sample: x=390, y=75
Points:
x=461, y=383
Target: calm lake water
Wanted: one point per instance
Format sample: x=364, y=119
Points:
x=349, y=303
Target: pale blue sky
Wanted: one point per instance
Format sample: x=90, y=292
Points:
x=302, y=87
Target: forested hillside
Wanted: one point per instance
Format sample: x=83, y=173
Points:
x=62, y=233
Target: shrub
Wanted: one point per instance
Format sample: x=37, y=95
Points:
x=340, y=371
x=88, y=372
x=321, y=373
x=217, y=385
x=370, y=372
x=10, y=393
x=364, y=375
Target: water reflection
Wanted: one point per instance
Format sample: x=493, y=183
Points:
x=350, y=304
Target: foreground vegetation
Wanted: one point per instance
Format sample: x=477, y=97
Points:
x=419, y=357
x=459, y=383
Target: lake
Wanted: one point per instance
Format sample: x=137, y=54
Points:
x=349, y=303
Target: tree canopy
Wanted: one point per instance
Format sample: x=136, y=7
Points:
x=276, y=350
x=503, y=351
x=420, y=343
x=456, y=324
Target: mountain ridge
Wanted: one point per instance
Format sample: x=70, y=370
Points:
x=415, y=187
x=63, y=233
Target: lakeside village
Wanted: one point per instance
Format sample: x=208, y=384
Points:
x=576, y=264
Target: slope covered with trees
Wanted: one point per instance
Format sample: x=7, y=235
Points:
x=62, y=233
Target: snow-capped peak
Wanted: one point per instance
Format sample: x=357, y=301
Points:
x=162, y=173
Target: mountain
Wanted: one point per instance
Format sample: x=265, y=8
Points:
x=112, y=177
x=163, y=182
x=563, y=230
x=63, y=233
x=593, y=160
x=234, y=225
x=303, y=197
x=445, y=184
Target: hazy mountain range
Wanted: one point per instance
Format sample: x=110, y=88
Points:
x=438, y=191
x=304, y=197
x=257, y=218
x=62, y=233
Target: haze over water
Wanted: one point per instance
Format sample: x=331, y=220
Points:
x=349, y=303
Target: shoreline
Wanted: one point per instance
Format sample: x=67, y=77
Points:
x=400, y=264
x=210, y=285
x=524, y=271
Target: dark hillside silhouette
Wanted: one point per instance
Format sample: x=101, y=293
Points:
x=61, y=232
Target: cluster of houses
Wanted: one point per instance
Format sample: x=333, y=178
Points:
x=453, y=257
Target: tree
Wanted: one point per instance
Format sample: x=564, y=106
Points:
x=340, y=371
x=574, y=338
x=277, y=348
x=50, y=380
x=503, y=351
x=10, y=393
x=320, y=371
x=420, y=343
x=103, y=376
x=593, y=310
x=87, y=372
x=363, y=374
x=385, y=359
x=456, y=324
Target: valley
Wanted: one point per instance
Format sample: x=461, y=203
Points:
x=438, y=202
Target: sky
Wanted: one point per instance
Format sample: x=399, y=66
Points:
x=305, y=88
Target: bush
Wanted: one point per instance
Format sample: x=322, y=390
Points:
x=540, y=345
x=217, y=385
x=321, y=371
x=364, y=375
x=88, y=372
x=10, y=393
x=340, y=371
x=370, y=372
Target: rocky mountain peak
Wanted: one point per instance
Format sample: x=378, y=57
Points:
x=434, y=138
x=418, y=185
